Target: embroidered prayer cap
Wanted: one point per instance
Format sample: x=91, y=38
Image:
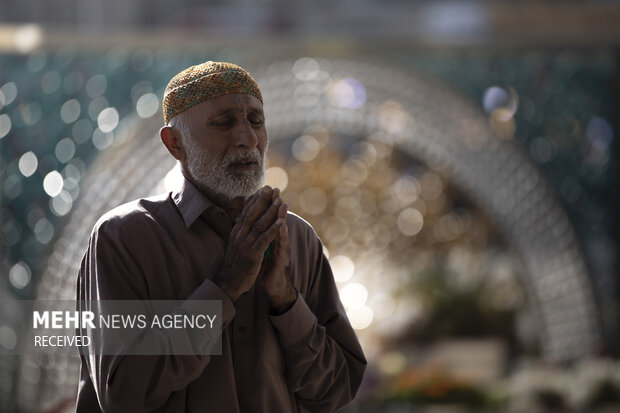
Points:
x=203, y=82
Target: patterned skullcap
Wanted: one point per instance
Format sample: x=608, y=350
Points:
x=203, y=82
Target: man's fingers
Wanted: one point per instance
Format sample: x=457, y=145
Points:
x=253, y=199
x=283, y=210
x=266, y=237
x=270, y=215
x=281, y=247
x=255, y=207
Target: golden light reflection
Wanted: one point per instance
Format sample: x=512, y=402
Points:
x=392, y=117
x=410, y=221
x=276, y=177
x=313, y=201
x=342, y=267
x=360, y=317
x=353, y=295
x=306, y=148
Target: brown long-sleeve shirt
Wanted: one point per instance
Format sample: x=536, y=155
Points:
x=168, y=248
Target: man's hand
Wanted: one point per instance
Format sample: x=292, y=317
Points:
x=275, y=280
x=259, y=224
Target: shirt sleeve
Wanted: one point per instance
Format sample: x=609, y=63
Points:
x=324, y=361
x=131, y=383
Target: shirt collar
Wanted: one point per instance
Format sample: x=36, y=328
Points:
x=190, y=202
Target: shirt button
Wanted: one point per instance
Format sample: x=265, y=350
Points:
x=220, y=214
x=243, y=331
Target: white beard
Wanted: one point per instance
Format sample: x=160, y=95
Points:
x=215, y=173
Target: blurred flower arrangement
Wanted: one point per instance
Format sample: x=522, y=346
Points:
x=430, y=384
x=589, y=386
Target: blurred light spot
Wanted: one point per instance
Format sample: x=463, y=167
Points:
x=116, y=58
x=30, y=113
x=96, y=85
x=20, y=275
x=2, y=100
x=52, y=183
x=353, y=295
x=12, y=186
x=313, y=201
x=44, y=231
x=325, y=252
x=347, y=93
x=392, y=117
x=342, y=267
x=306, y=148
x=70, y=111
x=541, y=150
x=599, y=133
x=5, y=125
x=62, y=203
x=73, y=172
x=173, y=179
x=73, y=82
x=102, y=140
x=65, y=149
x=501, y=103
x=360, y=317
x=27, y=38
x=70, y=184
x=108, y=120
x=383, y=305
x=493, y=98
x=353, y=172
x=34, y=215
x=140, y=89
x=37, y=61
x=410, y=221
x=449, y=227
x=366, y=152
x=28, y=164
x=9, y=91
x=79, y=165
x=307, y=94
x=147, y=106
x=142, y=59
x=276, y=178
x=306, y=68
x=11, y=233
x=96, y=106
x=391, y=363
x=82, y=130
x=432, y=187
x=502, y=123
x=406, y=189
x=50, y=82
x=8, y=338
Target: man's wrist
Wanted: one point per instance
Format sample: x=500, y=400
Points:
x=281, y=303
x=220, y=281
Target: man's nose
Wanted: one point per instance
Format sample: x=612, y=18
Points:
x=245, y=135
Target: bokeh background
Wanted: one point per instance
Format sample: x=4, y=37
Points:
x=458, y=160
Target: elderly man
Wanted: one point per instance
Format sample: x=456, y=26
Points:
x=287, y=345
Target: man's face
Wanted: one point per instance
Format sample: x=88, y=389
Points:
x=225, y=143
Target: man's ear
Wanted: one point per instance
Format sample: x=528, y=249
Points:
x=172, y=141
